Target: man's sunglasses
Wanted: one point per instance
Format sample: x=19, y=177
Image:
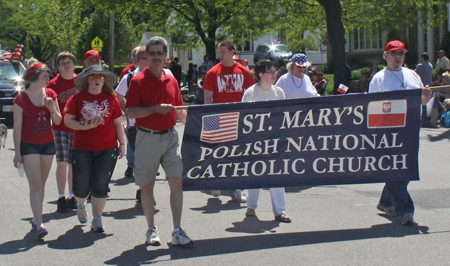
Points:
x=97, y=77
x=153, y=53
x=401, y=53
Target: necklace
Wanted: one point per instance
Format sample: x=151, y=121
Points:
x=401, y=81
x=293, y=81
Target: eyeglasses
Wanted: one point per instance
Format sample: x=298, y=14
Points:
x=271, y=72
x=153, y=53
x=400, y=53
x=97, y=77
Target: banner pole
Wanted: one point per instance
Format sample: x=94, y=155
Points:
x=185, y=107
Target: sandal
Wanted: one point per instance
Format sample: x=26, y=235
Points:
x=250, y=212
x=283, y=218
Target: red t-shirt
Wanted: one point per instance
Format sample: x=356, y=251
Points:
x=228, y=83
x=36, y=127
x=90, y=106
x=125, y=70
x=146, y=90
x=65, y=88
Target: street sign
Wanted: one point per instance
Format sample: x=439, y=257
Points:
x=97, y=44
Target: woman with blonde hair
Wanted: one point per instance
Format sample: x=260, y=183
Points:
x=35, y=109
x=95, y=115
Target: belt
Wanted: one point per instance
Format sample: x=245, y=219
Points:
x=154, y=132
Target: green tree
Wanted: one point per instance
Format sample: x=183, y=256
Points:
x=50, y=24
x=207, y=22
x=96, y=24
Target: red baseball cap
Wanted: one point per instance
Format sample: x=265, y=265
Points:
x=91, y=53
x=395, y=45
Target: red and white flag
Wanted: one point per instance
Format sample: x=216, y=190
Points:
x=342, y=89
x=220, y=127
x=387, y=114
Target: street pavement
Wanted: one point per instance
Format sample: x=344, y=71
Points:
x=332, y=225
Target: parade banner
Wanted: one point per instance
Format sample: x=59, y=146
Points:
x=341, y=139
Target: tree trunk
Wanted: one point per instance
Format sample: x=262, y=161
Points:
x=336, y=39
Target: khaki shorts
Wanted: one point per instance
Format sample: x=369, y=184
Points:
x=153, y=150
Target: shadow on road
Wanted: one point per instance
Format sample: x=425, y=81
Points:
x=210, y=247
x=75, y=238
x=443, y=135
x=214, y=205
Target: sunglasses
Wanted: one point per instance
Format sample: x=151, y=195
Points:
x=97, y=77
x=153, y=53
x=397, y=53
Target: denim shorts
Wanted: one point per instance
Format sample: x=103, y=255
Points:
x=41, y=149
x=63, y=142
x=92, y=171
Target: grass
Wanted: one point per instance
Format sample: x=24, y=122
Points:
x=330, y=84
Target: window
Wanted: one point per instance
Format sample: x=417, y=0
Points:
x=367, y=39
x=247, y=47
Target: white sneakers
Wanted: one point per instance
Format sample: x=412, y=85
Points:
x=178, y=238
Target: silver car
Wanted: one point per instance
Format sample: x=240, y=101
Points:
x=10, y=81
x=274, y=52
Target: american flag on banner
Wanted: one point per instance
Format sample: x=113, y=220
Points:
x=16, y=54
x=219, y=128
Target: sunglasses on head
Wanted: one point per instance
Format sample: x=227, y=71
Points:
x=97, y=77
x=153, y=53
x=397, y=52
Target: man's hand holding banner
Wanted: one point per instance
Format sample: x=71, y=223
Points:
x=358, y=138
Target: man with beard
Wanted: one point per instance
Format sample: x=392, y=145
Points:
x=395, y=199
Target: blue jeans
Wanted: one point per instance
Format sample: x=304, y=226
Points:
x=395, y=194
x=130, y=156
x=92, y=171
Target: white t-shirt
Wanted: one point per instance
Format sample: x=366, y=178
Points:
x=387, y=80
x=122, y=88
x=294, y=87
x=255, y=94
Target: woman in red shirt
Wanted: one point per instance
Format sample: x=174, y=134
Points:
x=34, y=109
x=95, y=115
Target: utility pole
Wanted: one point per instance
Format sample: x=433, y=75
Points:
x=111, y=42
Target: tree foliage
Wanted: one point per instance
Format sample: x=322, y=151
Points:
x=96, y=24
x=51, y=25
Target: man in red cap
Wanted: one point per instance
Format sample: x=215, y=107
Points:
x=91, y=57
x=395, y=199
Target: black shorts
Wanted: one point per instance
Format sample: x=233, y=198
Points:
x=41, y=149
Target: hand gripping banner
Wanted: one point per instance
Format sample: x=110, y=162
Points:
x=342, y=139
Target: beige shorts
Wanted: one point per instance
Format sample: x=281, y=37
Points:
x=153, y=150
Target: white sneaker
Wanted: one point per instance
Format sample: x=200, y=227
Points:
x=180, y=238
x=97, y=225
x=153, y=237
x=215, y=193
x=82, y=213
x=238, y=196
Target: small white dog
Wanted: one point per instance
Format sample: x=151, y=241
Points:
x=3, y=135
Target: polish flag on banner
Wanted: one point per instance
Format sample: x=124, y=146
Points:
x=342, y=89
x=219, y=128
x=386, y=114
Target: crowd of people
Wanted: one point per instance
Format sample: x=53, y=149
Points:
x=79, y=118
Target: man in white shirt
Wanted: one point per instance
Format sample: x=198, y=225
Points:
x=395, y=199
x=442, y=61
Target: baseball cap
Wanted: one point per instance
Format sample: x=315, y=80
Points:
x=395, y=45
x=300, y=60
x=91, y=53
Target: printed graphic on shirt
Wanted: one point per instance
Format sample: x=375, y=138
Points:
x=94, y=110
x=42, y=124
x=230, y=83
x=65, y=96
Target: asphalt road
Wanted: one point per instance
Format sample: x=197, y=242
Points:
x=332, y=225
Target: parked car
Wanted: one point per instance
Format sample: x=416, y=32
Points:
x=274, y=52
x=10, y=82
